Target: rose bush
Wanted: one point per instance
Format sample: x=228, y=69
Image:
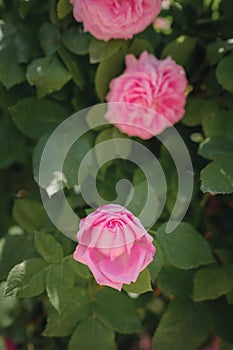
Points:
x=115, y=19
x=52, y=65
x=114, y=245
x=158, y=85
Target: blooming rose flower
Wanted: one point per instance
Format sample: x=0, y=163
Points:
x=145, y=342
x=114, y=245
x=9, y=344
x=152, y=96
x=214, y=346
x=115, y=19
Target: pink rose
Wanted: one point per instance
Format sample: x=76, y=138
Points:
x=152, y=96
x=115, y=19
x=114, y=245
x=214, y=346
x=145, y=342
x=10, y=345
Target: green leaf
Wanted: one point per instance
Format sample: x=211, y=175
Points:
x=48, y=74
x=25, y=6
x=9, y=153
x=18, y=248
x=230, y=297
x=138, y=197
x=70, y=167
x=68, y=274
x=66, y=243
x=216, y=50
x=142, y=285
x=26, y=279
x=92, y=335
x=37, y=154
x=24, y=46
x=221, y=316
x=9, y=50
x=185, y=325
x=98, y=111
x=181, y=50
x=56, y=286
x=197, y=109
x=211, y=283
x=48, y=247
x=116, y=311
x=9, y=308
x=138, y=46
x=116, y=150
x=29, y=215
x=74, y=157
x=76, y=41
x=226, y=8
x=218, y=123
x=217, y=177
x=175, y=282
x=216, y=147
x=77, y=309
x=63, y=8
x=157, y=263
x=106, y=71
x=225, y=346
x=2, y=344
x=184, y=248
x=224, y=73
x=72, y=65
x=79, y=268
x=49, y=37
x=36, y=117
x=100, y=50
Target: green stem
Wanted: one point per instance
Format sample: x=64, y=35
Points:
x=152, y=232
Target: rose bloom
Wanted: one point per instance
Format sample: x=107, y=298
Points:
x=115, y=19
x=10, y=345
x=152, y=96
x=115, y=246
x=214, y=346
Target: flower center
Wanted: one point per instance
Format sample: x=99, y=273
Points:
x=113, y=224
